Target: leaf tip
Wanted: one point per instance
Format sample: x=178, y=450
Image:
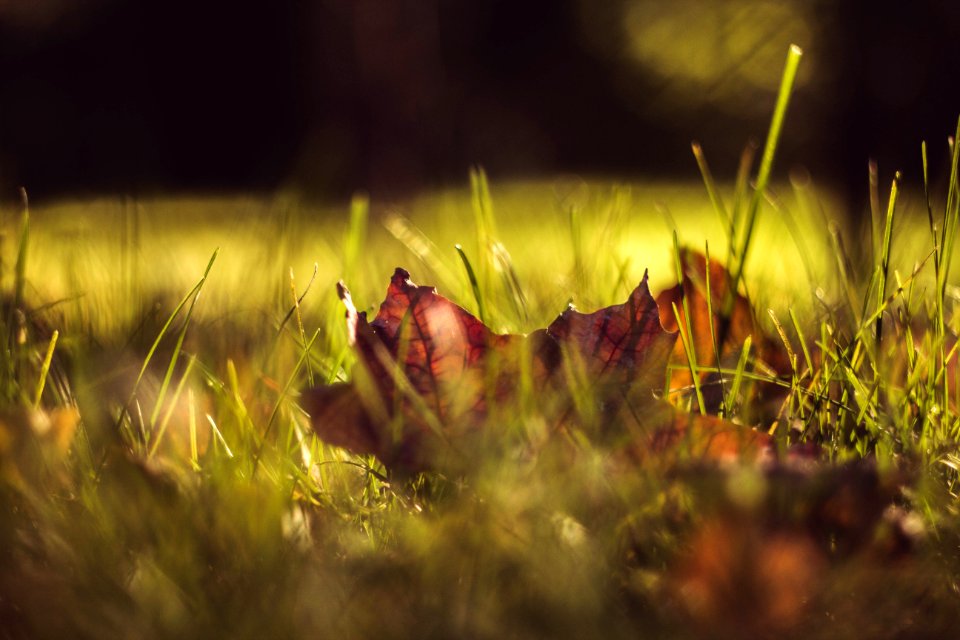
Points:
x=352, y=316
x=342, y=292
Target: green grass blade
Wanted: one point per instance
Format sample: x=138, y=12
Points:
x=474, y=284
x=298, y=300
x=687, y=336
x=156, y=343
x=511, y=282
x=299, y=317
x=356, y=236
x=712, y=191
x=740, y=373
x=803, y=341
x=45, y=369
x=279, y=403
x=219, y=436
x=885, y=254
x=740, y=190
x=791, y=354
x=727, y=407
x=766, y=163
x=161, y=394
x=162, y=429
x=951, y=215
x=484, y=222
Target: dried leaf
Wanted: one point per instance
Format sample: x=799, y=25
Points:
x=429, y=372
x=427, y=369
x=731, y=330
x=623, y=345
x=773, y=544
x=661, y=431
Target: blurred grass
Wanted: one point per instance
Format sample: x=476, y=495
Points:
x=119, y=255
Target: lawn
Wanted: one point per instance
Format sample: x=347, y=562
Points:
x=160, y=477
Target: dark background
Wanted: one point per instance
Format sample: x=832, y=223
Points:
x=330, y=96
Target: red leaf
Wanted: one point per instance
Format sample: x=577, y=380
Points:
x=428, y=369
x=441, y=349
x=425, y=361
x=624, y=344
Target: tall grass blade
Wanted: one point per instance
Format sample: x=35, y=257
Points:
x=803, y=341
x=162, y=429
x=161, y=394
x=712, y=192
x=283, y=396
x=885, y=254
x=951, y=215
x=686, y=332
x=727, y=406
x=740, y=373
x=219, y=436
x=740, y=189
x=511, y=282
x=474, y=284
x=303, y=336
x=766, y=165
x=298, y=300
x=356, y=235
x=45, y=369
x=484, y=222
x=791, y=354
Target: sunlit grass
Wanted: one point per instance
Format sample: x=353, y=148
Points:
x=229, y=518
x=81, y=253
x=178, y=489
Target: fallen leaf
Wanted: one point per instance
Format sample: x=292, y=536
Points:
x=624, y=345
x=428, y=373
x=770, y=564
x=730, y=329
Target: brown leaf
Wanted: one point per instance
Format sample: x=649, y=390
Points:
x=731, y=330
x=423, y=361
x=428, y=371
x=451, y=359
x=773, y=545
x=669, y=434
x=624, y=344
x=738, y=580
x=338, y=415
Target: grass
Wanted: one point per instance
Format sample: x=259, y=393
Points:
x=190, y=498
